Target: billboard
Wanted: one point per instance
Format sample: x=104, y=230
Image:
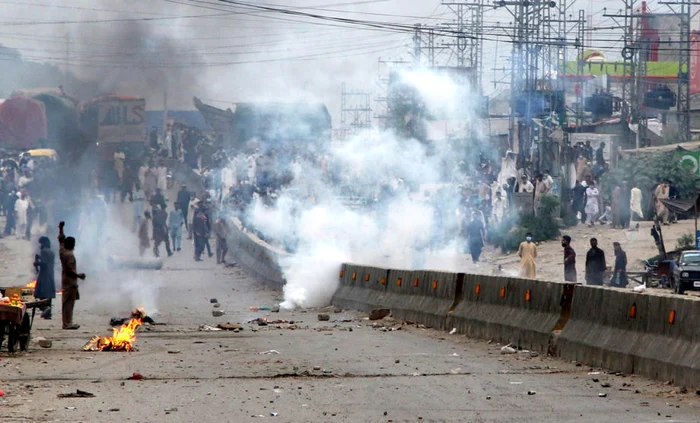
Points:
x=121, y=120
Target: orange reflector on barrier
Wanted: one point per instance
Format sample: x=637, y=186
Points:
x=435, y=284
x=354, y=275
x=528, y=294
x=415, y=283
x=383, y=280
x=342, y=272
x=398, y=282
x=477, y=289
x=672, y=317
x=633, y=311
x=503, y=292
x=367, y=277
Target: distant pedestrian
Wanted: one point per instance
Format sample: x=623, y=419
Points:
x=221, y=229
x=175, y=223
x=200, y=231
x=144, y=233
x=595, y=264
x=182, y=203
x=528, y=253
x=620, y=272
x=21, y=209
x=569, y=259
x=160, y=230
x=474, y=232
x=45, y=282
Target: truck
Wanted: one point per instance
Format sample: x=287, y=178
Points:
x=115, y=122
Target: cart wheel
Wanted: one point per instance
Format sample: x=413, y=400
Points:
x=12, y=337
x=2, y=333
x=24, y=333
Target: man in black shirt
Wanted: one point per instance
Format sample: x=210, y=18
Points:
x=620, y=276
x=569, y=259
x=595, y=264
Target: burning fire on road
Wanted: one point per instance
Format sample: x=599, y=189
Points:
x=122, y=339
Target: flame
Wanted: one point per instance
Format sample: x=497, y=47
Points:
x=30, y=285
x=121, y=340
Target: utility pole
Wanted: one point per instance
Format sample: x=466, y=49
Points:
x=682, y=10
x=66, y=72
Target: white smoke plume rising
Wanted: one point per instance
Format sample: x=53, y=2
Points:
x=400, y=227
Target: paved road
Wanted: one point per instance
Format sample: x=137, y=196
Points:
x=343, y=370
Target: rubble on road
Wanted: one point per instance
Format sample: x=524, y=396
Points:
x=217, y=313
x=77, y=394
x=229, y=326
x=323, y=317
x=207, y=328
x=135, y=376
x=378, y=314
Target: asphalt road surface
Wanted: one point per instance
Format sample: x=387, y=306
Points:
x=347, y=369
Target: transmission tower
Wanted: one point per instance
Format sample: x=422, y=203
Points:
x=468, y=43
x=355, y=110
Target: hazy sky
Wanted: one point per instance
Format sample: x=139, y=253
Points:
x=226, y=54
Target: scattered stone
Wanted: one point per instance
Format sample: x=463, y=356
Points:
x=317, y=367
x=488, y=397
x=397, y=361
x=534, y=354
x=596, y=380
x=275, y=309
x=77, y=394
x=508, y=350
x=531, y=392
x=170, y=410
x=43, y=342
x=230, y=326
x=217, y=305
x=213, y=301
x=378, y=314
x=136, y=376
x=323, y=317
x=217, y=313
x=113, y=409
x=605, y=385
x=174, y=352
x=602, y=395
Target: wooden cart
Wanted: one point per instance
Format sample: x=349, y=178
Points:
x=16, y=324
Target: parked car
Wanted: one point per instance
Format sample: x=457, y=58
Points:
x=686, y=275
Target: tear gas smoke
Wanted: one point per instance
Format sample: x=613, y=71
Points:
x=414, y=201
x=104, y=234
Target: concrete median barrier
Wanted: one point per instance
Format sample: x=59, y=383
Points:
x=422, y=296
x=361, y=288
x=655, y=335
x=258, y=258
x=521, y=312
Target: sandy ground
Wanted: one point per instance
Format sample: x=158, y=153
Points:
x=347, y=369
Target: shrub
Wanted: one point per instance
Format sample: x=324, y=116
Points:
x=686, y=241
x=512, y=230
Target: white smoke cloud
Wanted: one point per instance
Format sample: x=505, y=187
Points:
x=400, y=227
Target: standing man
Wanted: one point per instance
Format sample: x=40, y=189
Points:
x=569, y=259
x=595, y=264
x=592, y=203
x=162, y=177
x=144, y=238
x=528, y=253
x=69, y=278
x=182, y=203
x=21, y=211
x=624, y=205
x=175, y=222
x=45, y=282
x=475, y=235
x=119, y=159
x=620, y=276
x=222, y=232
x=200, y=230
x=160, y=230
x=158, y=200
